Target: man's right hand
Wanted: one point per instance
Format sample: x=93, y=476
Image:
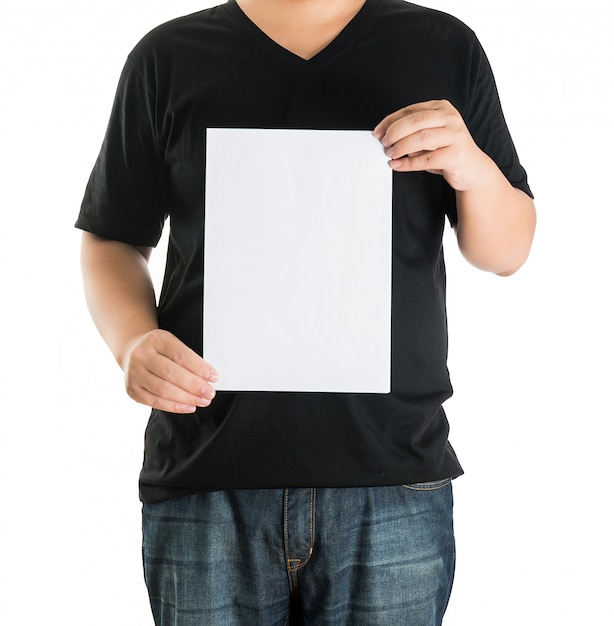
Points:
x=160, y=370
x=163, y=373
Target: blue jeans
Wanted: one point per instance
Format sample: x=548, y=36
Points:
x=363, y=556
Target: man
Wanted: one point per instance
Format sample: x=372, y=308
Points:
x=339, y=502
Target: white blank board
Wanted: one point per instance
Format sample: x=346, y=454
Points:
x=297, y=261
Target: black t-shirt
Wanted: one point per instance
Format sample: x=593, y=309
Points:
x=215, y=68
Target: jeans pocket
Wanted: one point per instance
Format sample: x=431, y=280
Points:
x=431, y=485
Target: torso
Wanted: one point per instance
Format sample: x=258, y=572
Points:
x=218, y=69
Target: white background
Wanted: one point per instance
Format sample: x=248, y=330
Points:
x=530, y=355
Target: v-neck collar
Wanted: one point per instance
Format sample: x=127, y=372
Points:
x=338, y=44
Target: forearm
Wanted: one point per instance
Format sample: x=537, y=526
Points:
x=496, y=222
x=118, y=291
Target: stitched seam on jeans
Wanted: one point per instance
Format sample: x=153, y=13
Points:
x=292, y=578
x=312, y=521
x=286, y=532
x=300, y=563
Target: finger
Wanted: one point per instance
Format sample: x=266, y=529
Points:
x=147, y=388
x=424, y=140
x=164, y=369
x=408, y=110
x=417, y=122
x=427, y=161
x=381, y=130
x=170, y=392
x=146, y=397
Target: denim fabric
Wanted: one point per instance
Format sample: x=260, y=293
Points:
x=358, y=556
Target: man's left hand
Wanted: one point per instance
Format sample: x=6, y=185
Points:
x=432, y=137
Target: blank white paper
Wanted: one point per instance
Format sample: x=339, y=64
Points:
x=297, y=261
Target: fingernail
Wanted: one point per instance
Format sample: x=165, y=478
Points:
x=385, y=141
x=207, y=393
x=212, y=376
x=203, y=402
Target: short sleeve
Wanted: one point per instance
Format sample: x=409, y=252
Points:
x=483, y=115
x=486, y=122
x=126, y=196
